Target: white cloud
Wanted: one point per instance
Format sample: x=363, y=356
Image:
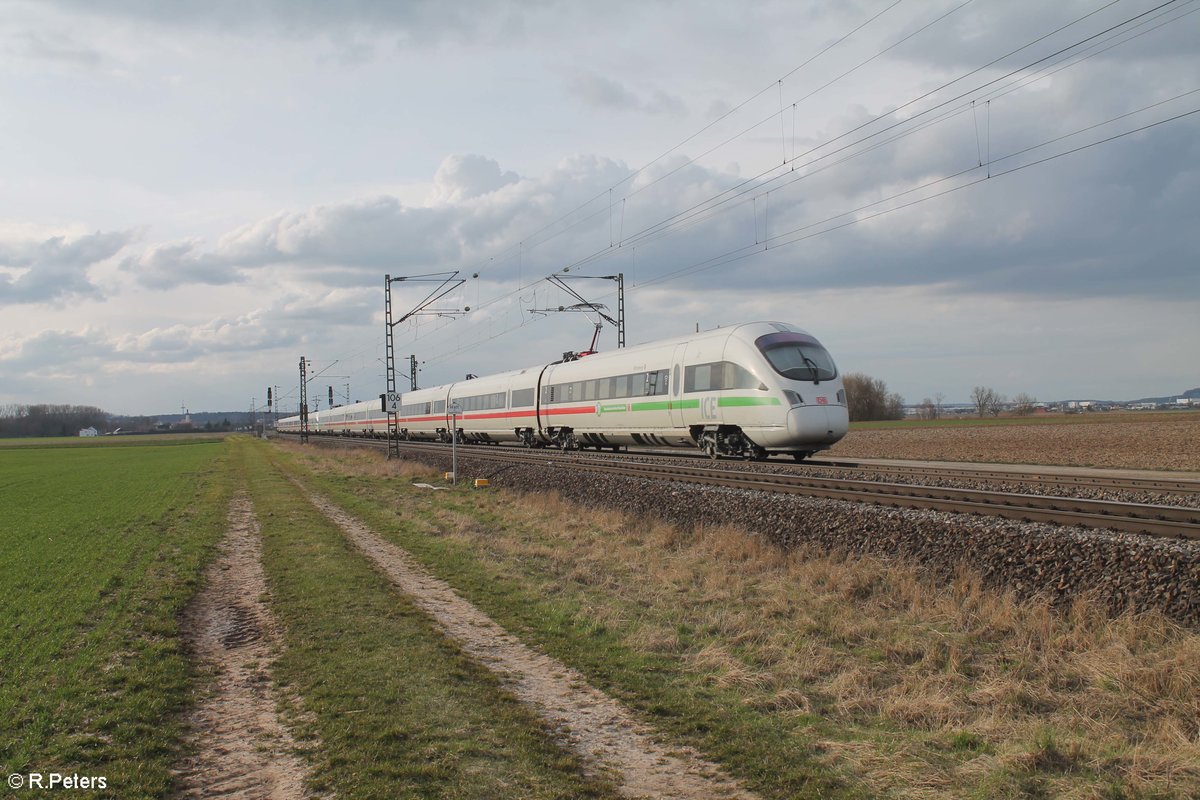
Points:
x=461, y=178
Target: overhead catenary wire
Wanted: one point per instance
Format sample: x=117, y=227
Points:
x=622, y=239
x=795, y=235
x=789, y=237
x=650, y=233
x=526, y=242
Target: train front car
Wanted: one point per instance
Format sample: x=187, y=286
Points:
x=803, y=409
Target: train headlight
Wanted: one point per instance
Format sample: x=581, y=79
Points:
x=793, y=398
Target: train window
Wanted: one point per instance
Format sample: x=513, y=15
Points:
x=718, y=375
x=603, y=389
x=522, y=398
x=656, y=382
x=797, y=356
x=698, y=378
x=439, y=407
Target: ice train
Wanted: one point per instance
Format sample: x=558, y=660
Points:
x=748, y=390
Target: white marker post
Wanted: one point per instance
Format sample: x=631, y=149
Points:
x=455, y=409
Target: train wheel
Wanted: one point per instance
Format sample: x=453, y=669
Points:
x=800, y=456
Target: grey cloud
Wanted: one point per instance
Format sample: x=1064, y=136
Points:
x=375, y=233
x=58, y=47
x=606, y=93
x=352, y=244
x=464, y=177
x=56, y=268
x=166, y=266
x=416, y=23
x=1109, y=220
x=62, y=349
x=286, y=322
x=982, y=32
x=289, y=320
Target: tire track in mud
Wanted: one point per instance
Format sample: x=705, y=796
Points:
x=240, y=748
x=605, y=733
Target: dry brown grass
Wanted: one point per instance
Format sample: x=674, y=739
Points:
x=921, y=689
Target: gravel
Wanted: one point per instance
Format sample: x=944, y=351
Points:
x=1186, y=500
x=1126, y=572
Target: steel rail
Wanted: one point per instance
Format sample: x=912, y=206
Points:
x=1174, y=485
x=972, y=473
x=1144, y=518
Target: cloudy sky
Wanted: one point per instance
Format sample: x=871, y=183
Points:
x=194, y=194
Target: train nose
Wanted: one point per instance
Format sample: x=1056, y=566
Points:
x=818, y=424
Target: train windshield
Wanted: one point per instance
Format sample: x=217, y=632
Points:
x=797, y=356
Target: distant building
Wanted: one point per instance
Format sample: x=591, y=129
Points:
x=89, y=432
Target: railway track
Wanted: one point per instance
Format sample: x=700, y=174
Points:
x=1155, y=484
x=1143, y=518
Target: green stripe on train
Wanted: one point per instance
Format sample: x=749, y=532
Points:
x=722, y=402
x=727, y=402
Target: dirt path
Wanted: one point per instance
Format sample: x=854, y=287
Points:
x=242, y=750
x=603, y=731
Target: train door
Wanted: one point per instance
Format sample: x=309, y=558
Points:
x=675, y=384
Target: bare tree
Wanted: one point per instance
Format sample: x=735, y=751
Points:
x=867, y=398
x=987, y=401
x=50, y=420
x=1023, y=404
x=928, y=409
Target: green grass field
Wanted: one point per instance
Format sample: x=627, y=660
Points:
x=398, y=709
x=155, y=439
x=100, y=548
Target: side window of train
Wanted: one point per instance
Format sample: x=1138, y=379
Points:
x=697, y=378
x=718, y=375
x=675, y=381
x=656, y=382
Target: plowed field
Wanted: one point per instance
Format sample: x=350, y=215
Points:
x=1163, y=441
